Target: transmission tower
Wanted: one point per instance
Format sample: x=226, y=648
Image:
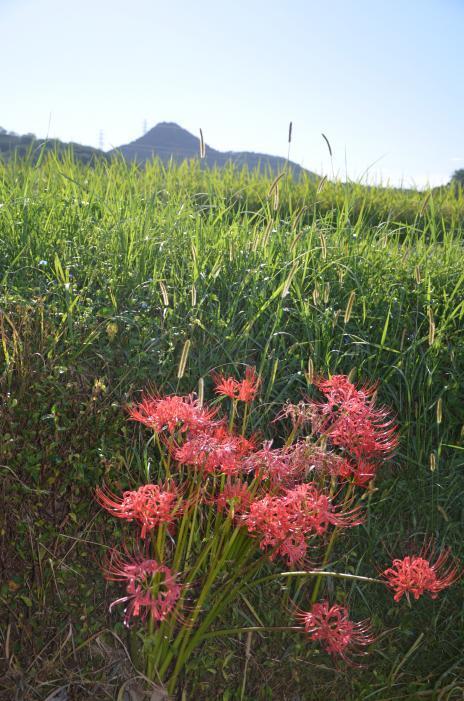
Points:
x=101, y=140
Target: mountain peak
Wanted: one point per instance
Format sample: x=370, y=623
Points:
x=164, y=140
x=167, y=124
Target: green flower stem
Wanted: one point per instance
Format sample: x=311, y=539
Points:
x=204, y=591
x=291, y=437
x=245, y=419
x=180, y=539
x=227, y=594
x=331, y=543
x=192, y=524
x=161, y=452
x=218, y=520
x=232, y=415
x=328, y=551
x=336, y=575
x=183, y=541
x=210, y=511
x=160, y=540
x=318, y=573
x=226, y=632
x=188, y=638
x=191, y=576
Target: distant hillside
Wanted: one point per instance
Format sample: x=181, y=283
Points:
x=12, y=144
x=168, y=140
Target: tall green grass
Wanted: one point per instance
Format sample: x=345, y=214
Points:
x=107, y=271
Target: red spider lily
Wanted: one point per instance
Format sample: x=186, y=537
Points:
x=318, y=510
x=299, y=414
x=285, y=467
x=332, y=626
x=243, y=391
x=248, y=388
x=360, y=472
x=217, y=451
x=284, y=522
x=417, y=575
x=270, y=463
x=151, y=588
x=173, y=413
x=235, y=498
x=225, y=386
x=150, y=505
x=350, y=420
x=305, y=458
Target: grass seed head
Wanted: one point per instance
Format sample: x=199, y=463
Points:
x=349, y=307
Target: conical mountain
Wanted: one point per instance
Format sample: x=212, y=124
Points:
x=168, y=141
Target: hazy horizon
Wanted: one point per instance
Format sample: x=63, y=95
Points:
x=383, y=81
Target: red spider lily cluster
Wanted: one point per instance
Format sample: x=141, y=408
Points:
x=229, y=500
x=241, y=390
x=217, y=451
x=331, y=625
x=417, y=575
x=173, y=414
x=284, y=522
x=150, y=505
x=349, y=419
x=141, y=576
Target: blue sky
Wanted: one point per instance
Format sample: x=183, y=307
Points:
x=383, y=79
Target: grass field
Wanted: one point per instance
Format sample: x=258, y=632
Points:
x=105, y=273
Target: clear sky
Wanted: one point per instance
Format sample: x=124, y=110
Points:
x=383, y=79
